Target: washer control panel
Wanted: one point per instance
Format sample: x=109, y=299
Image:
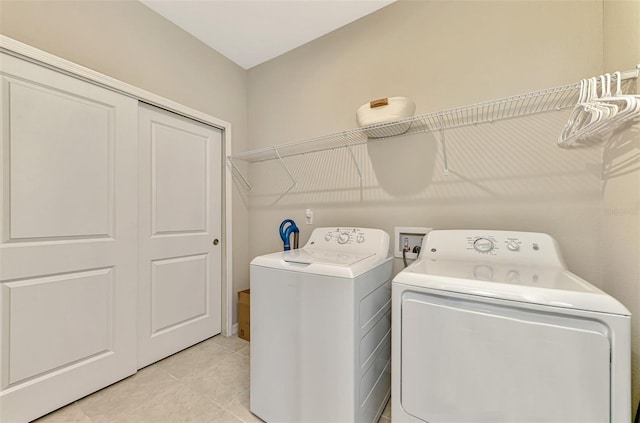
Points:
x=345, y=235
x=517, y=247
x=350, y=239
x=490, y=244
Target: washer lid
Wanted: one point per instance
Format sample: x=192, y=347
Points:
x=333, y=258
x=550, y=286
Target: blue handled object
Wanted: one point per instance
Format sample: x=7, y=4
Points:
x=285, y=234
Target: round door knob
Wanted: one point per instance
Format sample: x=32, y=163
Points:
x=215, y=241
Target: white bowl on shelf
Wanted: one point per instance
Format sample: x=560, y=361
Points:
x=382, y=113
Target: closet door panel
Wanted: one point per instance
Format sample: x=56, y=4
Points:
x=44, y=317
x=68, y=253
x=178, y=302
x=64, y=197
x=179, y=180
x=180, y=217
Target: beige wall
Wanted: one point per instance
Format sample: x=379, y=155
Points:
x=507, y=175
x=621, y=189
x=128, y=41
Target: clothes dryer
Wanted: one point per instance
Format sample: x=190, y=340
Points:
x=320, y=329
x=490, y=326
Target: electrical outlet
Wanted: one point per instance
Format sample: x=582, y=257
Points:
x=408, y=238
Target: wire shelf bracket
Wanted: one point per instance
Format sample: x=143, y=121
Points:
x=357, y=166
x=444, y=148
x=238, y=176
x=286, y=169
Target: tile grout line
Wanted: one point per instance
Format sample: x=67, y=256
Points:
x=77, y=404
x=230, y=401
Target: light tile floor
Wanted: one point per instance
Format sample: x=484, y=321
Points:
x=208, y=382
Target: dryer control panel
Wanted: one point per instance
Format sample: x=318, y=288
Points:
x=493, y=245
x=350, y=239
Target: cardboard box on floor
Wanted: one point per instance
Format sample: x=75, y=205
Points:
x=244, y=306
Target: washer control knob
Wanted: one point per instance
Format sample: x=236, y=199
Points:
x=483, y=245
x=328, y=237
x=360, y=238
x=343, y=237
x=513, y=246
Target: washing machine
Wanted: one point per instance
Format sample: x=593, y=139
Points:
x=490, y=326
x=320, y=329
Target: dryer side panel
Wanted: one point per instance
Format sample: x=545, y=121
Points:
x=464, y=360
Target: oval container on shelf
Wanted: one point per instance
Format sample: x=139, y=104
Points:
x=386, y=110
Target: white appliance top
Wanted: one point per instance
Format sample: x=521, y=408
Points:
x=340, y=252
x=517, y=266
x=333, y=258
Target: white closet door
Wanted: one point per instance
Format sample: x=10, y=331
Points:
x=180, y=227
x=67, y=239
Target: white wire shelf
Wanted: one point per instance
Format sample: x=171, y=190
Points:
x=547, y=100
x=510, y=107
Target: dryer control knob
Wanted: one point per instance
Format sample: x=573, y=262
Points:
x=513, y=246
x=483, y=245
x=360, y=239
x=343, y=237
x=328, y=237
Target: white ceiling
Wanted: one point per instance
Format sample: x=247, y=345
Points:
x=250, y=32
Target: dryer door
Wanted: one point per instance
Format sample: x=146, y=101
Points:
x=470, y=361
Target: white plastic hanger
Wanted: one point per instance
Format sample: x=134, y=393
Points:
x=576, y=113
x=595, y=114
x=587, y=114
x=607, y=103
x=631, y=102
